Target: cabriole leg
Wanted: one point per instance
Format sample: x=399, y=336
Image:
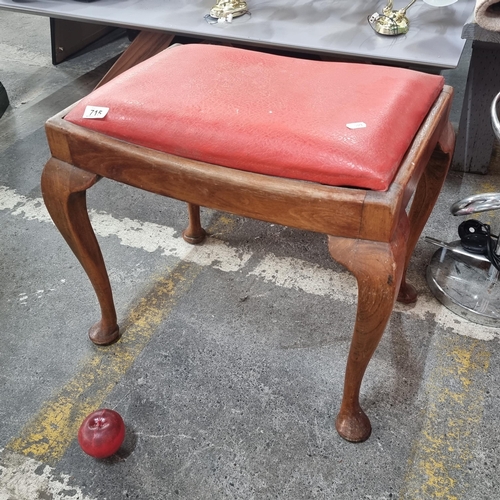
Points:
x=378, y=268
x=64, y=192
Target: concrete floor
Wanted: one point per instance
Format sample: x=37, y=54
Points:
x=229, y=372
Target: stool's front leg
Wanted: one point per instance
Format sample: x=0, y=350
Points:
x=64, y=192
x=378, y=268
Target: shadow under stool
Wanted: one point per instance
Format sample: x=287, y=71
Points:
x=334, y=148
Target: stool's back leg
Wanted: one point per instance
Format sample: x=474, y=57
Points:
x=194, y=233
x=425, y=198
x=64, y=192
x=378, y=268
x=146, y=45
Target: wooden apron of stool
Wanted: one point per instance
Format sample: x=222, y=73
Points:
x=369, y=232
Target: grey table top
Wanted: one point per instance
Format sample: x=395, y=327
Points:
x=337, y=27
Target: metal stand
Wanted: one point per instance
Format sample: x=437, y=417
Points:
x=467, y=283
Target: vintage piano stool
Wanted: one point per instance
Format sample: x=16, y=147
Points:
x=331, y=147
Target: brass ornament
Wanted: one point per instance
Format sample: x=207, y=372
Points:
x=395, y=22
x=391, y=22
x=228, y=9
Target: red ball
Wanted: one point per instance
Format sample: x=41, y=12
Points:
x=101, y=433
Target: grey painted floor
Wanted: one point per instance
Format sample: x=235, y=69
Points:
x=230, y=368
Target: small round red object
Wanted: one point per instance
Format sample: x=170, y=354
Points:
x=101, y=433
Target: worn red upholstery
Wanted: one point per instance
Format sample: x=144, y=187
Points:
x=268, y=114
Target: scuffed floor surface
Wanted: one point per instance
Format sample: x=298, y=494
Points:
x=230, y=369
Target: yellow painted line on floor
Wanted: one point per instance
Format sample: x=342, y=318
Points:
x=454, y=411
x=487, y=187
x=47, y=436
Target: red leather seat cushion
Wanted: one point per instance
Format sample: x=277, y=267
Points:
x=270, y=114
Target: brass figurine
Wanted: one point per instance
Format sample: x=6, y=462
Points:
x=227, y=9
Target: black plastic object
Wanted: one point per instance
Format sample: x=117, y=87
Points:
x=4, y=100
x=474, y=236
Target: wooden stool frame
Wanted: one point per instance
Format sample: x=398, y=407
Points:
x=369, y=232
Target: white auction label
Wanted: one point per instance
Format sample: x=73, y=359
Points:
x=95, y=112
x=356, y=125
